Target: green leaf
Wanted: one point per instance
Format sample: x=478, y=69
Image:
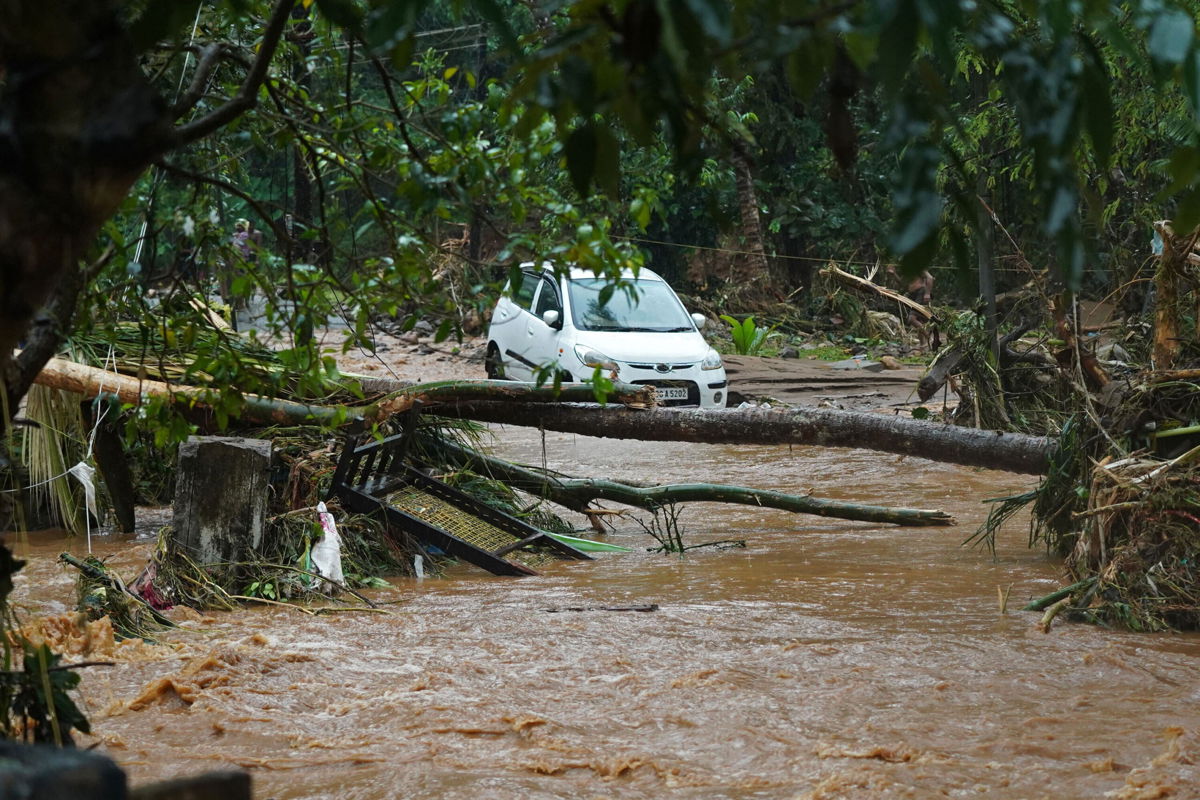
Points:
x=714, y=18
x=898, y=46
x=1171, y=36
x=443, y=330
x=608, y=166
x=1187, y=214
x=1191, y=81
x=581, y=157
x=388, y=27
x=344, y=13
x=601, y=386
x=861, y=48
x=920, y=412
x=1183, y=169
x=605, y=294
x=490, y=10
x=160, y=20
x=1097, y=104
x=917, y=223
x=808, y=64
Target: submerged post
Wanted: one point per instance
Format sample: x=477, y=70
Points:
x=221, y=499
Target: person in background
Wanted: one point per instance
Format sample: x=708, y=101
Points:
x=243, y=256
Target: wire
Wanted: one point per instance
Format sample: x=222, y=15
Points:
x=109, y=360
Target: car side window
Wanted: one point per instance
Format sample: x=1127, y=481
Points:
x=547, y=300
x=523, y=296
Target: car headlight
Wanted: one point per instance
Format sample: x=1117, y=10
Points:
x=712, y=360
x=593, y=358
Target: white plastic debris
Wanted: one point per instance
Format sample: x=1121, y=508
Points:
x=327, y=552
x=86, y=475
x=419, y=567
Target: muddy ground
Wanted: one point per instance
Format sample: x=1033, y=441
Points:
x=793, y=381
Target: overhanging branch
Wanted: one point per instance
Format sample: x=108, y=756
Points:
x=247, y=94
x=210, y=56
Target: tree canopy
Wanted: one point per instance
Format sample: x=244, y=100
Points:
x=401, y=155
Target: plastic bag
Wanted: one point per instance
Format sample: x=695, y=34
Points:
x=327, y=552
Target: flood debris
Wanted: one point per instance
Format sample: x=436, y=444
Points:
x=579, y=494
x=665, y=529
x=644, y=608
x=374, y=477
x=1120, y=501
x=102, y=593
x=326, y=554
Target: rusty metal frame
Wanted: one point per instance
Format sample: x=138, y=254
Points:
x=366, y=473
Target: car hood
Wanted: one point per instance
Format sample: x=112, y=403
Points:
x=646, y=348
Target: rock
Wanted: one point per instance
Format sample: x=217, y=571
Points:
x=43, y=772
x=224, y=785
x=890, y=362
x=858, y=363
x=789, y=352
x=1112, y=352
x=221, y=500
x=423, y=328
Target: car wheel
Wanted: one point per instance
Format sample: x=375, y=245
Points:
x=493, y=364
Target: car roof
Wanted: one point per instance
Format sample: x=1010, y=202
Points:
x=577, y=273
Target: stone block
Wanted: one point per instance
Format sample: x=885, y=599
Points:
x=221, y=498
x=43, y=772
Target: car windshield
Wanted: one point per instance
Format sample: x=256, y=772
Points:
x=643, y=306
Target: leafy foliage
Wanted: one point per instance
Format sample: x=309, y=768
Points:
x=748, y=338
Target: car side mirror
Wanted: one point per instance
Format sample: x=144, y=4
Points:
x=551, y=317
x=699, y=319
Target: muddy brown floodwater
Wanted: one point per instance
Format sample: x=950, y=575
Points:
x=825, y=660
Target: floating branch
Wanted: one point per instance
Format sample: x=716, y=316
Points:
x=578, y=493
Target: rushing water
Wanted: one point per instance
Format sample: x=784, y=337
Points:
x=827, y=659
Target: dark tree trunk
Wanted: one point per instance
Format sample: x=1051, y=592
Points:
x=972, y=447
x=114, y=466
x=78, y=124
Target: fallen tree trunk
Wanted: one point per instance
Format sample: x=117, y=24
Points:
x=577, y=494
x=971, y=447
x=92, y=382
x=805, y=426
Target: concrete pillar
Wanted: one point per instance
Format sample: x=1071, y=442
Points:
x=221, y=498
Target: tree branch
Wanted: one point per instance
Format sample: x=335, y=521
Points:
x=247, y=94
x=209, y=57
x=49, y=330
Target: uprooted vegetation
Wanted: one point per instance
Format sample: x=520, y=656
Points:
x=1121, y=501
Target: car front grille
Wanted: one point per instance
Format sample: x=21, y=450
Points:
x=669, y=367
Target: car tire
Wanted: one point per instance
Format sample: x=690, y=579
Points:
x=493, y=363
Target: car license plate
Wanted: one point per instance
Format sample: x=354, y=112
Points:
x=671, y=392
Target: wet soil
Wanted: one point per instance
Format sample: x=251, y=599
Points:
x=791, y=381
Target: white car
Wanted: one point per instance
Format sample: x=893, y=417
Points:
x=641, y=335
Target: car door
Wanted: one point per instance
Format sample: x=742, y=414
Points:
x=541, y=337
x=510, y=326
